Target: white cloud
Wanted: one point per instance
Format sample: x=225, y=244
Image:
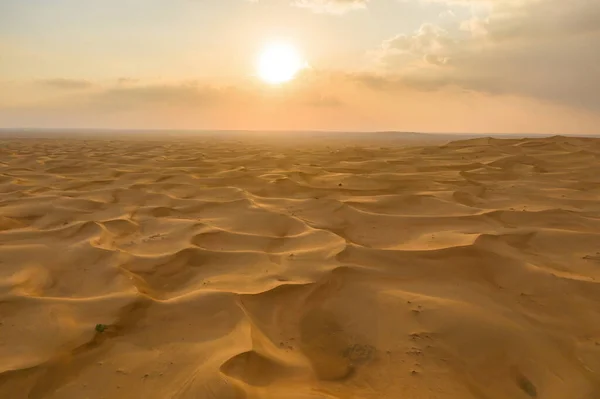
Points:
x=430, y=43
x=328, y=6
x=331, y=6
x=546, y=49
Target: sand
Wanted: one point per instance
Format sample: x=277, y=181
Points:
x=249, y=269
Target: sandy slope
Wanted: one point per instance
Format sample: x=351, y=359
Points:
x=248, y=270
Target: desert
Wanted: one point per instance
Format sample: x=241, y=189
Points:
x=256, y=268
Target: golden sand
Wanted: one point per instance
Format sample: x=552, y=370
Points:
x=249, y=269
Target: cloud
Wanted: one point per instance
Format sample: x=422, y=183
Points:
x=317, y=99
x=66, y=84
x=429, y=42
x=129, y=95
x=545, y=49
x=328, y=6
x=542, y=19
x=127, y=81
x=310, y=89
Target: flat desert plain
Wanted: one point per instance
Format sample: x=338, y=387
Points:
x=243, y=268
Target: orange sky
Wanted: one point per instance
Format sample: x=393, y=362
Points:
x=514, y=66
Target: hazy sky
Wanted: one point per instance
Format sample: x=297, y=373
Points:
x=415, y=65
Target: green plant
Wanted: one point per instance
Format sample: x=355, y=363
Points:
x=101, y=327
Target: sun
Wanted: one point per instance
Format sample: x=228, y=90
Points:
x=279, y=62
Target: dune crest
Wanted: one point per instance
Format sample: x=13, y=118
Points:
x=211, y=268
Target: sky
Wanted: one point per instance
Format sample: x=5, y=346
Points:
x=473, y=66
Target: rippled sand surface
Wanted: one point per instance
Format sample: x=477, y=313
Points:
x=247, y=269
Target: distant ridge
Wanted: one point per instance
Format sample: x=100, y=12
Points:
x=385, y=135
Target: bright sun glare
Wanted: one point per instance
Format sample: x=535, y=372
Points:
x=279, y=63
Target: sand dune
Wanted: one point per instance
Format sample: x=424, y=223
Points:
x=251, y=269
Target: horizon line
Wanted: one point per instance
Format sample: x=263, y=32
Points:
x=313, y=131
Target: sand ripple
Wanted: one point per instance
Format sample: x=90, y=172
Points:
x=254, y=270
